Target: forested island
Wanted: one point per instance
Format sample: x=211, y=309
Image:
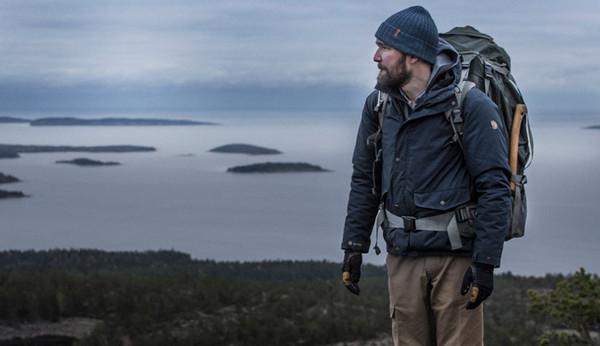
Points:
x=168, y=298
x=11, y=194
x=277, y=167
x=8, y=154
x=248, y=149
x=82, y=161
x=115, y=122
x=7, y=178
x=13, y=120
x=13, y=150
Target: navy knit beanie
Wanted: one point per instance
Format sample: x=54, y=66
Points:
x=411, y=31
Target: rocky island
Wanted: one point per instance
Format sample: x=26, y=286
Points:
x=13, y=150
x=248, y=149
x=6, y=179
x=115, y=122
x=592, y=127
x=82, y=161
x=11, y=194
x=277, y=167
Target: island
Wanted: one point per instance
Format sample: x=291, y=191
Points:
x=17, y=148
x=13, y=120
x=82, y=161
x=11, y=194
x=6, y=179
x=277, y=167
x=8, y=154
x=248, y=149
x=592, y=127
x=115, y=122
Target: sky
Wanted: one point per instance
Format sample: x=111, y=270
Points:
x=235, y=54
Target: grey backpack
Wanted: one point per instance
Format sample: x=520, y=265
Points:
x=485, y=66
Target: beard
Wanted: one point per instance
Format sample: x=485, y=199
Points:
x=395, y=76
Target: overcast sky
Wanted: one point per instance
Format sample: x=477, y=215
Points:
x=63, y=52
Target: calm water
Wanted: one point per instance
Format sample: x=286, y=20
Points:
x=170, y=199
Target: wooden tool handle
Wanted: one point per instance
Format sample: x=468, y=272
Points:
x=520, y=112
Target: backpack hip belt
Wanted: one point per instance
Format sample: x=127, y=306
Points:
x=457, y=222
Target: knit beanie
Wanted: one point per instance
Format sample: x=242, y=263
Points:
x=411, y=31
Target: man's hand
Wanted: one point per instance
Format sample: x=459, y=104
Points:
x=351, y=271
x=479, y=279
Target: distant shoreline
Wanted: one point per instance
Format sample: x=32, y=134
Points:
x=167, y=260
x=73, y=121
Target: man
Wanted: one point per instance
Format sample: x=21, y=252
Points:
x=446, y=200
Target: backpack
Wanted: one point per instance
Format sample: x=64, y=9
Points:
x=485, y=66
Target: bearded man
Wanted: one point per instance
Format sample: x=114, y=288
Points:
x=444, y=203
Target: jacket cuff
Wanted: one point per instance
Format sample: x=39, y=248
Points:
x=486, y=261
x=354, y=246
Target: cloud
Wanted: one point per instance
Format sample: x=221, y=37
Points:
x=269, y=43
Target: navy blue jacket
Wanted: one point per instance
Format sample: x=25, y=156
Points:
x=425, y=172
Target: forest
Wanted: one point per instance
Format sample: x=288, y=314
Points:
x=168, y=298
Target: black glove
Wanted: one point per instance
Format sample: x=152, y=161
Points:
x=351, y=271
x=479, y=279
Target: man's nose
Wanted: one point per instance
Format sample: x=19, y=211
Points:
x=377, y=56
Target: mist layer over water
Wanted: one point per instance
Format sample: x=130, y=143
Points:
x=171, y=199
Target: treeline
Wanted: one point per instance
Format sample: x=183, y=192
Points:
x=169, y=262
x=167, y=298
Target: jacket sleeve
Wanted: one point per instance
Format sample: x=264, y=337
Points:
x=486, y=154
x=362, y=203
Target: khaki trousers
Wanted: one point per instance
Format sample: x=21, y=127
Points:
x=426, y=306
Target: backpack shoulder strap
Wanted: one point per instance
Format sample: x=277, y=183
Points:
x=464, y=90
x=382, y=100
x=379, y=109
x=454, y=115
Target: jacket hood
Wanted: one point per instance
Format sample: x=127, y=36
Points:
x=447, y=68
x=445, y=75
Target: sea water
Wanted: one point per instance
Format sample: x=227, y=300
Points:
x=181, y=197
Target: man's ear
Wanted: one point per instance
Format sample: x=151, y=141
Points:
x=412, y=60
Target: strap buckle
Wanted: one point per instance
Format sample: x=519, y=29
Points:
x=465, y=214
x=519, y=179
x=488, y=70
x=409, y=223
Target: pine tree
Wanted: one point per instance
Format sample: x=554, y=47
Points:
x=575, y=305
